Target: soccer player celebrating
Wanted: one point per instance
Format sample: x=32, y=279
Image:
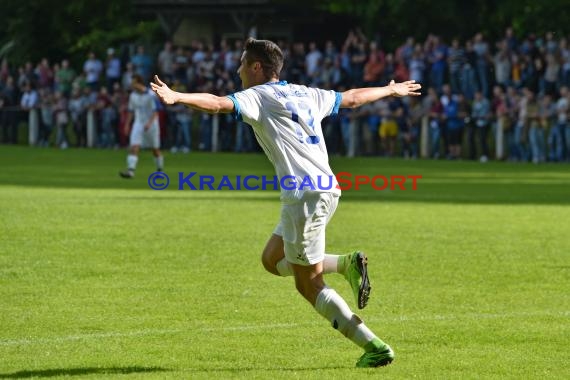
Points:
x=286, y=119
x=142, y=102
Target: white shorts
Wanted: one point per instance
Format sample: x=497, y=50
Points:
x=303, y=225
x=145, y=139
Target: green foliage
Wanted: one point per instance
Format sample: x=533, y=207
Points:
x=99, y=39
x=34, y=29
x=397, y=19
x=6, y=47
x=51, y=28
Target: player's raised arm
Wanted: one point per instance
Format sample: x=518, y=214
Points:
x=359, y=96
x=205, y=102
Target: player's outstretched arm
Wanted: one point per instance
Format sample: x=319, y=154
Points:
x=201, y=101
x=360, y=96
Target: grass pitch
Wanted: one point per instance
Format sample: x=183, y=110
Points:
x=102, y=277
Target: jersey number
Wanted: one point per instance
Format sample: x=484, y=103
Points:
x=305, y=111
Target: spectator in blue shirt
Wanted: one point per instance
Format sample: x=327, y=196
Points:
x=481, y=115
x=142, y=64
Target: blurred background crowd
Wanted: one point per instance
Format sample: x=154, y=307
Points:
x=483, y=99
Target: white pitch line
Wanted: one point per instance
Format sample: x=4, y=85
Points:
x=149, y=332
x=476, y=316
x=59, y=339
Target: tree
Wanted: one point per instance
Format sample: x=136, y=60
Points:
x=394, y=20
x=50, y=28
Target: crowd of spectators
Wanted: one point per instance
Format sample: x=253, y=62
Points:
x=476, y=94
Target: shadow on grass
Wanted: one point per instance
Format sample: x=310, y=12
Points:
x=79, y=372
x=442, y=181
x=261, y=368
x=450, y=193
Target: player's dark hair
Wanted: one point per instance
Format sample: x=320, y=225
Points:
x=267, y=53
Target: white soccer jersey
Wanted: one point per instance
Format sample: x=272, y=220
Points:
x=143, y=105
x=286, y=119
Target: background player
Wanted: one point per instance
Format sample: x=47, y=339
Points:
x=145, y=130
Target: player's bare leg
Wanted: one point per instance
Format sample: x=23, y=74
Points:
x=272, y=254
x=328, y=303
x=158, y=159
x=353, y=267
x=132, y=160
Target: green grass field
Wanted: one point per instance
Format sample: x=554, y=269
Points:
x=102, y=277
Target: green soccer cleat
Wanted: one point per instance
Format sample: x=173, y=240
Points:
x=377, y=358
x=357, y=276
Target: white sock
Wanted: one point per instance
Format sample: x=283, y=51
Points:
x=331, y=306
x=330, y=265
x=132, y=162
x=159, y=161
